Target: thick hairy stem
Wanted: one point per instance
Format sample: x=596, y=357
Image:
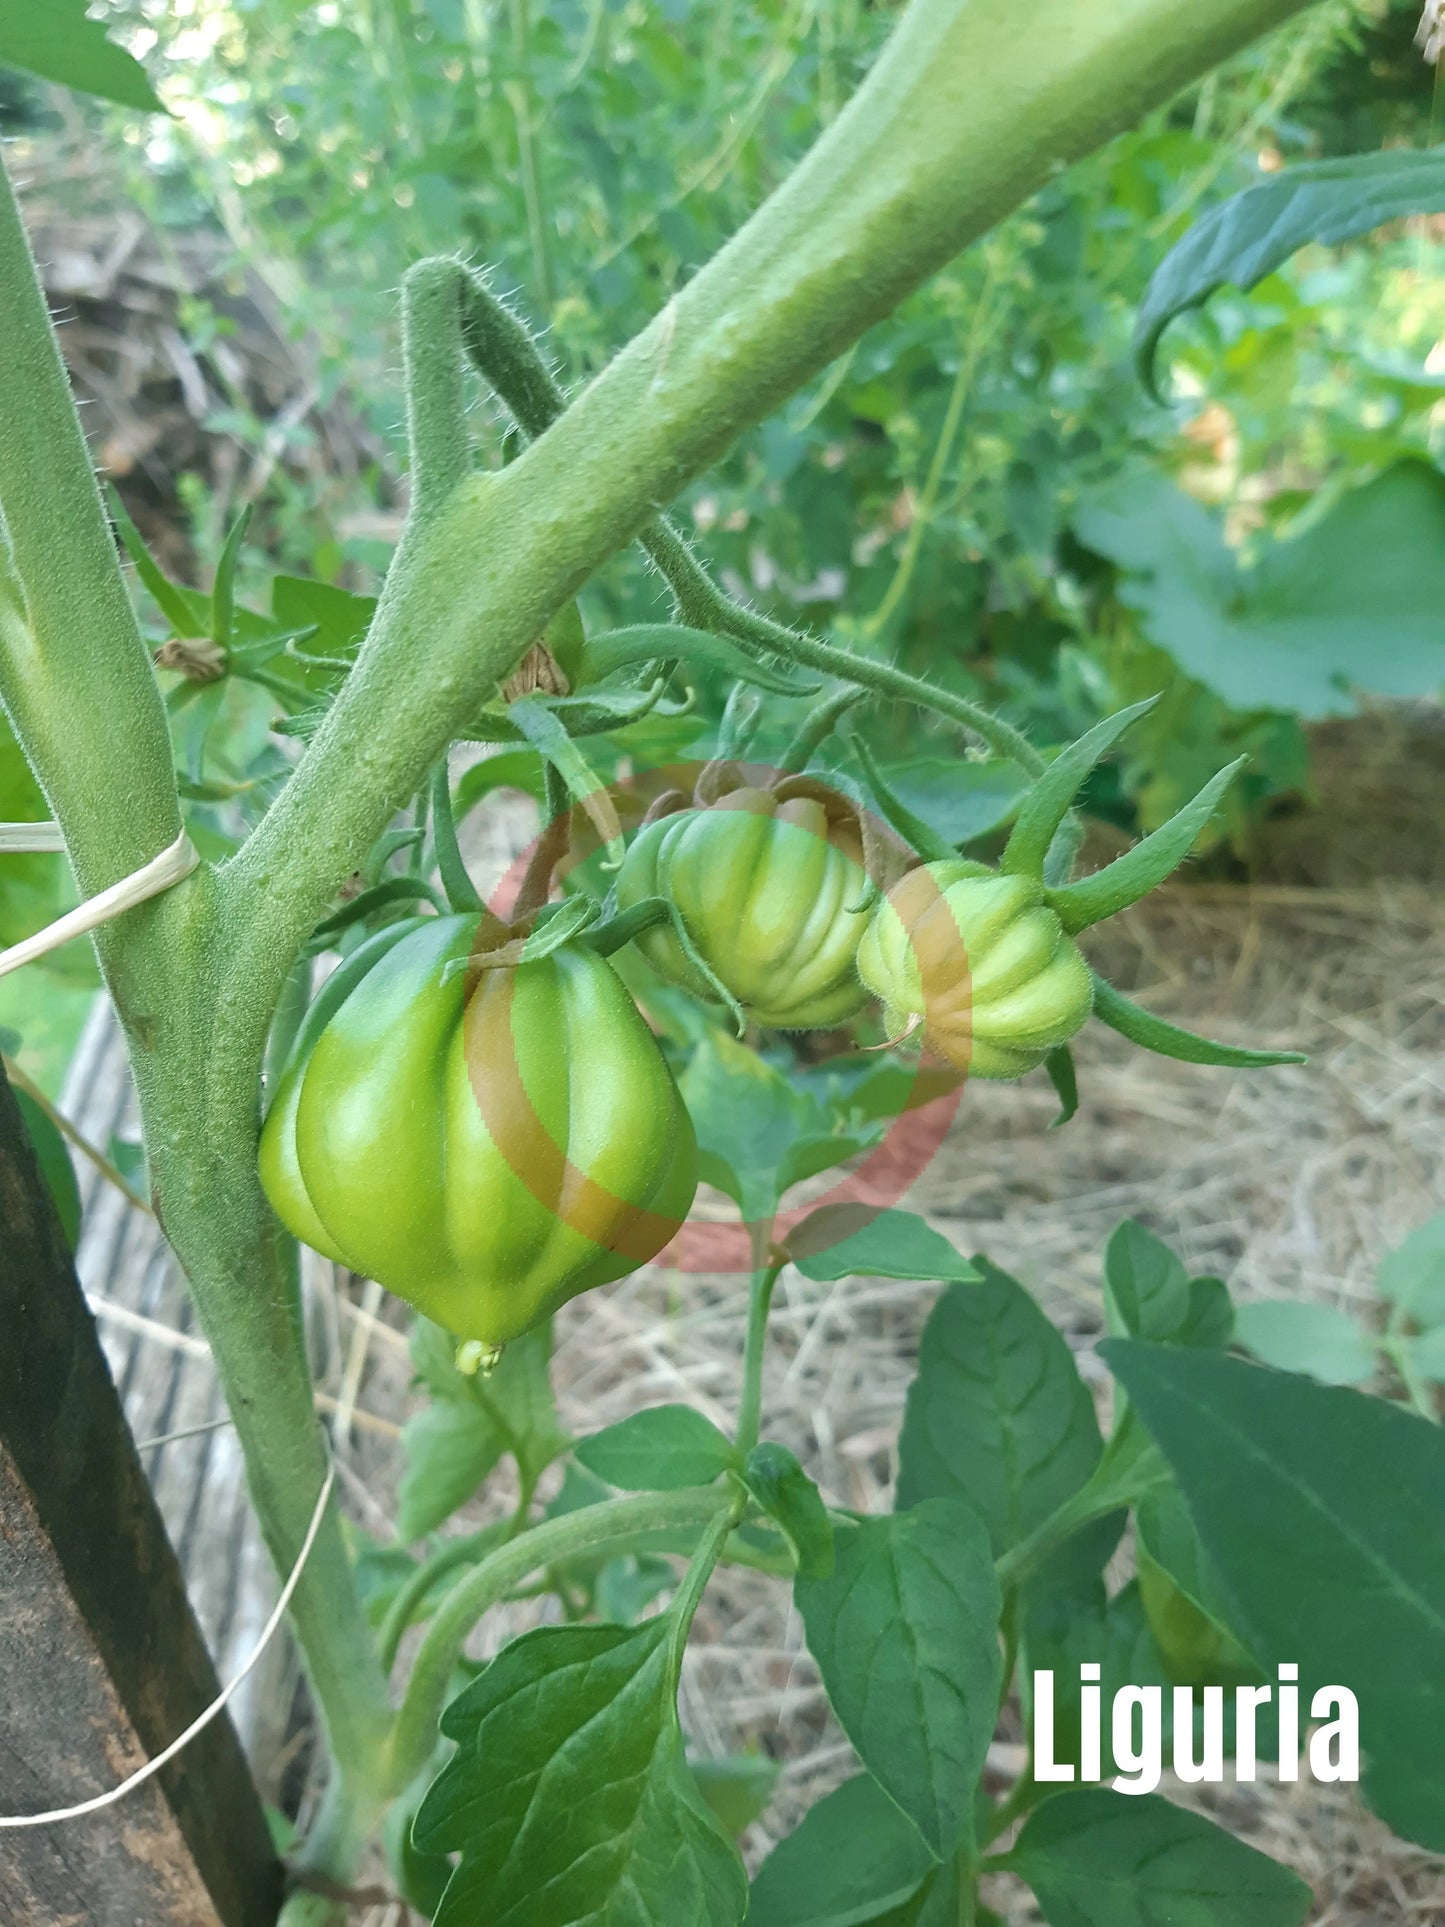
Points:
x=199, y=1096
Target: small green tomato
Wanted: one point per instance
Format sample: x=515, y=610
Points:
x=981, y=962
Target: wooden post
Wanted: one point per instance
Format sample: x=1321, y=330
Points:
x=101, y=1661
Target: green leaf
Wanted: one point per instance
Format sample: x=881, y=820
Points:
x=55, y=40
x=626, y=1587
x=959, y=801
x=1096, y=1858
x=1351, y=603
x=223, y=590
x=917, y=832
x=568, y=1797
x=511, y=769
x=1146, y=1288
x=1143, y=868
x=1323, y=1341
x=340, y=620
x=1046, y=804
x=1320, y=1511
x=450, y=1447
x=1186, y=1607
x=807, y=1156
x=516, y=1400
x=620, y=649
x=53, y=1156
x=1253, y=233
x=858, y=1241
x=747, y=1116
x=1064, y=1076
x=786, y=1493
x=737, y=1786
x=997, y=1415
x=1153, y=1033
x=1210, y=1319
x=659, y=1450
x=186, y=610
x=852, y=1857
x=1413, y=1275
x=905, y=1635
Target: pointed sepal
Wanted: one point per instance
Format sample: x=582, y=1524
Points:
x=1045, y=806
x=1142, y=869
x=1149, y=1032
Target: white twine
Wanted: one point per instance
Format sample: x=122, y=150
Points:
x=16, y=837
x=218, y=1705
x=176, y=861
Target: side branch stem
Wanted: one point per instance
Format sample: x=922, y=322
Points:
x=614, y=1521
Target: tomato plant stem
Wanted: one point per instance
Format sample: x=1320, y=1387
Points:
x=750, y=1409
x=555, y=1540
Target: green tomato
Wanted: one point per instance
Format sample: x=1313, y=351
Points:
x=982, y=962
x=484, y=1143
x=772, y=892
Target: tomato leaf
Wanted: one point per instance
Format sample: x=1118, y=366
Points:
x=1146, y=1288
x=568, y=1796
x=786, y=1493
x=1322, y=1341
x=450, y=1447
x=904, y=1633
x=1096, y=1858
x=660, y=1450
x=859, y=1241
x=997, y=1415
x=56, y=41
x=1413, y=1275
x=1253, y=233
x=850, y=1859
x=1319, y=1509
x=737, y=1787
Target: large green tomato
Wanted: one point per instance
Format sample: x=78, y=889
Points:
x=484, y=1143
x=982, y=962
x=772, y=892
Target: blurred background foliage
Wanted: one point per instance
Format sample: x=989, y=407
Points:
x=980, y=490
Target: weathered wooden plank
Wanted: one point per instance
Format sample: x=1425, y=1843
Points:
x=101, y=1660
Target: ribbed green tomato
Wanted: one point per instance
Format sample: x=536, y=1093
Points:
x=982, y=961
x=771, y=890
x=484, y=1143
